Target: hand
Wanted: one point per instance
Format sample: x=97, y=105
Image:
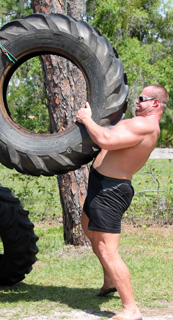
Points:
x=84, y=113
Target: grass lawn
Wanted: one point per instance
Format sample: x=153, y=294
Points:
x=69, y=277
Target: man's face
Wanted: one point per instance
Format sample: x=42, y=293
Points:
x=144, y=107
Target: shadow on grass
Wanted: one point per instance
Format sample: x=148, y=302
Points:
x=75, y=298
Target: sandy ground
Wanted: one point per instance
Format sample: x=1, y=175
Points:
x=86, y=316
x=60, y=314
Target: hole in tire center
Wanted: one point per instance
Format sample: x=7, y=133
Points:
x=44, y=94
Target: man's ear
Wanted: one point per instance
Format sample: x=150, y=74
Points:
x=156, y=103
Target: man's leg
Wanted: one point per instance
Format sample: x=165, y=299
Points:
x=106, y=246
x=107, y=281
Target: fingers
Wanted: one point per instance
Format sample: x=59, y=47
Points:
x=89, y=111
x=84, y=113
x=87, y=105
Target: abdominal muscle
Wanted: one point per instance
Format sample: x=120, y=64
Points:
x=122, y=163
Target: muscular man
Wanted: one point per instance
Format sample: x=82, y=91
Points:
x=124, y=150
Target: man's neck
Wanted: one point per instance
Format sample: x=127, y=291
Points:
x=152, y=115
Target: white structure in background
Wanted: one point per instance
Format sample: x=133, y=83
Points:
x=162, y=153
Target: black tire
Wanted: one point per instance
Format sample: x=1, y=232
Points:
x=18, y=238
x=77, y=41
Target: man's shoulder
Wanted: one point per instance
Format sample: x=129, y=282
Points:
x=139, y=124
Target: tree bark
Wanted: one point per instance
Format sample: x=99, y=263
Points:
x=66, y=93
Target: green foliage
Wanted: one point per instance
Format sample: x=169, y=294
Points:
x=137, y=18
x=166, y=137
x=38, y=195
x=13, y=9
x=105, y=17
x=164, y=22
x=26, y=97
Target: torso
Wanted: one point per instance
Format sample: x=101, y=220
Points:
x=123, y=163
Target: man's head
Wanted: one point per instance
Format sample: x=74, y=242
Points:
x=159, y=92
x=153, y=96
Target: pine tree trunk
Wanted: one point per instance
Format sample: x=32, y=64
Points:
x=66, y=93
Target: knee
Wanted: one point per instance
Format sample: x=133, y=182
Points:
x=103, y=251
x=106, y=254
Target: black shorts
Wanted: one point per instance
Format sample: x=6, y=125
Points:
x=107, y=199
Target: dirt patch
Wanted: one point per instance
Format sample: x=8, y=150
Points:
x=166, y=308
x=167, y=229
x=60, y=314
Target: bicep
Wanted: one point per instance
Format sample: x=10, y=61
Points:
x=123, y=139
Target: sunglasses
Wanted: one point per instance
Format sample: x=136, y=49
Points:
x=142, y=99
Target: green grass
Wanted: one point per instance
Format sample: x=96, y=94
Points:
x=153, y=199
x=39, y=195
x=68, y=278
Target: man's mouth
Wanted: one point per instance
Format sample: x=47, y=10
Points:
x=137, y=109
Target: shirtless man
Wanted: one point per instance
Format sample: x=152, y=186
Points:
x=124, y=150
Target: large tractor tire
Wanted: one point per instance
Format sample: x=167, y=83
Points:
x=18, y=239
x=107, y=90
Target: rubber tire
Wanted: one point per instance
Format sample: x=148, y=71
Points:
x=77, y=41
x=18, y=238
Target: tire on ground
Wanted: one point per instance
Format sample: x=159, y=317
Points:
x=107, y=89
x=18, y=239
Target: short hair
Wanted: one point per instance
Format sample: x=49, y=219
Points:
x=159, y=92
